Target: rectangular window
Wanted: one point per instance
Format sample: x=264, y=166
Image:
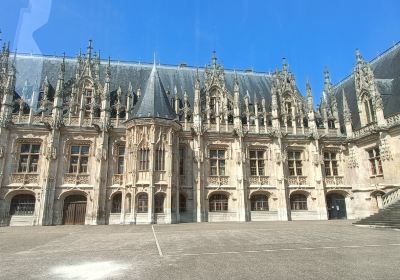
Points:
x=257, y=163
x=294, y=163
x=121, y=160
x=160, y=159
x=79, y=158
x=29, y=158
x=144, y=159
x=375, y=162
x=217, y=162
x=330, y=163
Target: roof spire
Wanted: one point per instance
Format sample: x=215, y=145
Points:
x=89, y=50
x=346, y=110
x=154, y=102
x=214, y=59
x=284, y=65
x=359, y=57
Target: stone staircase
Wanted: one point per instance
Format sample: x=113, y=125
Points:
x=389, y=216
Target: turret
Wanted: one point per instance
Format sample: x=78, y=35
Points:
x=7, y=103
x=310, y=107
x=347, y=116
x=129, y=102
x=236, y=103
x=369, y=100
x=58, y=96
x=105, y=101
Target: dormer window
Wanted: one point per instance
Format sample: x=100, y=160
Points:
x=331, y=124
x=369, y=110
x=288, y=111
x=88, y=100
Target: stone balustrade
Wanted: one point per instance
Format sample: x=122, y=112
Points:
x=393, y=120
x=24, y=178
x=297, y=180
x=259, y=180
x=218, y=180
x=76, y=179
x=391, y=197
x=333, y=181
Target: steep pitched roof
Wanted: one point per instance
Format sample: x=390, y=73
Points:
x=386, y=68
x=154, y=101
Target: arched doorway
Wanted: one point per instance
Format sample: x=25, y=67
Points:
x=336, y=206
x=22, y=205
x=74, y=210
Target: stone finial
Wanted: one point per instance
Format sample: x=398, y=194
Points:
x=346, y=110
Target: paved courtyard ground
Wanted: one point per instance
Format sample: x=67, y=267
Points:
x=256, y=250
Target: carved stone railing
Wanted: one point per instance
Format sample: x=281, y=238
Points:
x=366, y=130
x=24, y=178
x=16, y=118
x=259, y=180
x=76, y=179
x=218, y=180
x=117, y=179
x=393, y=120
x=391, y=197
x=297, y=180
x=333, y=180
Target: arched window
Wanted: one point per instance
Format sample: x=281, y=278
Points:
x=369, y=108
x=182, y=203
x=159, y=203
x=288, y=111
x=298, y=202
x=22, y=205
x=142, y=203
x=259, y=202
x=331, y=124
x=218, y=203
x=305, y=122
x=116, y=203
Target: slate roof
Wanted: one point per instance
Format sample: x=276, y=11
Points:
x=386, y=68
x=154, y=102
x=34, y=69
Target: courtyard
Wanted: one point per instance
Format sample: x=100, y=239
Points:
x=254, y=250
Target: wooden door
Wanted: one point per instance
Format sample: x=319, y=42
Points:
x=74, y=211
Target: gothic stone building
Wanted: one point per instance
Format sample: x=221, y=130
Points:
x=88, y=141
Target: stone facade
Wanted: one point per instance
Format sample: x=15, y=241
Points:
x=104, y=142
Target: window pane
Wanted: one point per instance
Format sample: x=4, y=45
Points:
x=74, y=150
x=84, y=150
x=35, y=149
x=34, y=163
x=260, y=154
x=25, y=148
x=221, y=154
x=252, y=154
x=222, y=167
x=261, y=167
x=213, y=153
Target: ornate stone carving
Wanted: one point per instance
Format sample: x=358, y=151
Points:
x=352, y=159
x=76, y=179
x=24, y=178
x=384, y=149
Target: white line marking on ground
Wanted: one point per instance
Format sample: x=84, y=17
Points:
x=283, y=249
x=158, y=245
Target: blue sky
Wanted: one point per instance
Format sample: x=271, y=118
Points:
x=245, y=34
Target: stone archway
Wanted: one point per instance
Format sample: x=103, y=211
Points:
x=336, y=205
x=74, y=210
